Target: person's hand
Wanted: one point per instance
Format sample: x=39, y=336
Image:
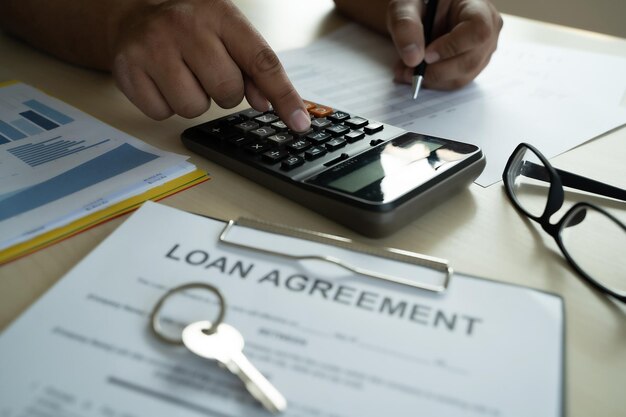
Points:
x=465, y=35
x=176, y=56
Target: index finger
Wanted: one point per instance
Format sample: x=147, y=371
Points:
x=405, y=26
x=259, y=62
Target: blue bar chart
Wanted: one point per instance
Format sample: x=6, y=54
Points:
x=48, y=111
x=10, y=132
x=36, y=118
x=39, y=120
x=27, y=127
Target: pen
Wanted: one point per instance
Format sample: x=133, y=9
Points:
x=429, y=19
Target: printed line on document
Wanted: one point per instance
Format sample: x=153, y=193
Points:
x=164, y=397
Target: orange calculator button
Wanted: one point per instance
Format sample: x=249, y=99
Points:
x=321, y=111
x=309, y=105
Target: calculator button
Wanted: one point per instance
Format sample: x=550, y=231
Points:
x=314, y=153
x=335, y=144
x=372, y=128
x=250, y=113
x=354, y=135
x=321, y=111
x=320, y=124
x=301, y=135
x=279, y=125
x=261, y=132
x=356, y=122
x=375, y=142
x=299, y=146
x=309, y=105
x=231, y=120
x=280, y=139
x=266, y=119
x=338, y=116
x=292, y=162
x=239, y=141
x=247, y=126
x=318, y=137
x=218, y=132
x=275, y=155
x=338, y=130
x=211, y=130
x=257, y=147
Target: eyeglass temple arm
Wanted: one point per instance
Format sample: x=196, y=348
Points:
x=578, y=182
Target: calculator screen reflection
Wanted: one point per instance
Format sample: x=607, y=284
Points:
x=391, y=170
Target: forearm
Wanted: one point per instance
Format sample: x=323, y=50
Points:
x=78, y=31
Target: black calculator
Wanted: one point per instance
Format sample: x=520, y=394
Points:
x=369, y=176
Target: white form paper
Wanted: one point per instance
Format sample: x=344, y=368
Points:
x=332, y=343
x=58, y=164
x=554, y=98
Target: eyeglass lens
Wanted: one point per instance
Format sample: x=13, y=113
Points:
x=529, y=182
x=586, y=228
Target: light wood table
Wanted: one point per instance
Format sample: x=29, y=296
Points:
x=477, y=230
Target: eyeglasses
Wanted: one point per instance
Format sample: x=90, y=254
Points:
x=536, y=189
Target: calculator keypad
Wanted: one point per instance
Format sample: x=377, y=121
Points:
x=263, y=139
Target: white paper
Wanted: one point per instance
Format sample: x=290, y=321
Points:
x=554, y=98
x=332, y=343
x=52, y=176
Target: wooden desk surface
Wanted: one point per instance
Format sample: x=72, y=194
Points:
x=478, y=230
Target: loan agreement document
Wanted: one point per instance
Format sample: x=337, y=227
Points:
x=334, y=344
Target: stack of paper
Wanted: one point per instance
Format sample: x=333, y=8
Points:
x=62, y=171
x=555, y=98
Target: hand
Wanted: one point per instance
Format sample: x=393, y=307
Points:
x=465, y=35
x=177, y=56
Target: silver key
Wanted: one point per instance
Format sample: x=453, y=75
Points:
x=225, y=345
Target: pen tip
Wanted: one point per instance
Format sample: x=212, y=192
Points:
x=417, y=84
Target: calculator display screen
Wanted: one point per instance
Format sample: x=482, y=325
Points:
x=393, y=169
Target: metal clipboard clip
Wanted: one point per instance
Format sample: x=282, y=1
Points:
x=244, y=233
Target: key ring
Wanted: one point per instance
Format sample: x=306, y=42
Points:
x=156, y=323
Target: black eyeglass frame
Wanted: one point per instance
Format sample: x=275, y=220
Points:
x=556, y=197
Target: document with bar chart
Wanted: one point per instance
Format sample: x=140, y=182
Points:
x=62, y=170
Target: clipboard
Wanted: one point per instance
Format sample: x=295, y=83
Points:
x=331, y=341
x=275, y=232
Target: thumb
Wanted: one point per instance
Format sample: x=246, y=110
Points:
x=405, y=26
